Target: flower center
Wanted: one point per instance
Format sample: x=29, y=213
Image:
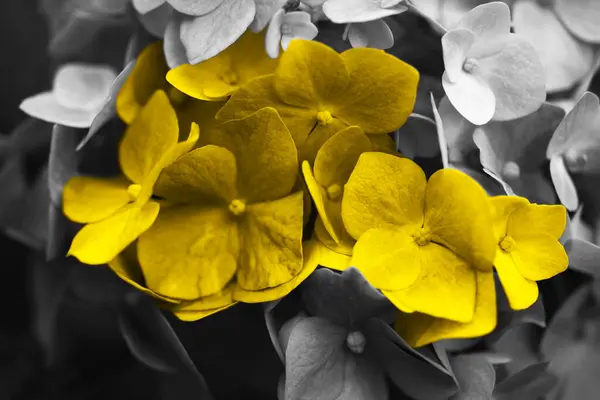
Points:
x=334, y=192
x=422, y=238
x=286, y=29
x=176, y=96
x=356, y=342
x=470, y=64
x=237, y=207
x=230, y=78
x=575, y=160
x=507, y=243
x=511, y=170
x=134, y=191
x=324, y=117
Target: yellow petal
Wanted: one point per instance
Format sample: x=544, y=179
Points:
x=126, y=267
x=311, y=75
x=503, y=207
x=388, y=258
x=384, y=144
x=190, y=252
x=220, y=76
x=536, y=218
x=539, y=256
x=383, y=190
x=260, y=93
x=324, y=205
x=458, y=215
x=147, y=76
x=421, y=329
x=190, y=316
x=344, y=247
x=202, y=113
x=271, y=237
x=205, y=306
x=205, y=176
x=318, y=136
x=100, y=242
x=88, y=199
x=265, y=153
x=150, y=137
x=446, y=287
x=210, y=80
x=382, y=91
x=311, y=257
x=338, y=156
x=520, y=291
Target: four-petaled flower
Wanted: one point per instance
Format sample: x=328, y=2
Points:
x=318, y=92
x=490, y=72
x=118, y=210
x=287, y=26
x=428, y=245
x=78, y=94
x=528, y=247
x=233, y=216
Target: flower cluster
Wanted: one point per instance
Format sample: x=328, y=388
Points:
x=257, y=161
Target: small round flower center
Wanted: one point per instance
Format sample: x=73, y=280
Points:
x=324, y=117
x=422, y=238
x=511, y=170
x=237, y=207
x=356, y=342
x=575, y=160
x=230, y=78
x=507, y=243
x=176, y=96
x=134, y=191
x=334, y=192
x=470, y=64
x=286, y=29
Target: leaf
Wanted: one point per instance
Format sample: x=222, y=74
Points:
x=345, y=299
x=109, y=110
x=583, y=256
x=49, y=284
x=509, y=319
x=26, y=220
x=63, y=160
x=418, y=137
x=419, y=376
x=566, y=323
x=532, y=382
x=476, y=377
x=152, y=340
x=563, y=183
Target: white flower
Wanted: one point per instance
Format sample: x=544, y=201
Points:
x=77, y=96
x=287, y=26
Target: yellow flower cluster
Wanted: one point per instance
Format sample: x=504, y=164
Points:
x=221, y=164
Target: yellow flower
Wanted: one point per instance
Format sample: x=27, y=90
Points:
x=424, y=244
x=118, y=210
x=148, y=76
x=232, y=217
x=218, y=77
x=318, y=92
x=528, y=247
x=333, y=165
